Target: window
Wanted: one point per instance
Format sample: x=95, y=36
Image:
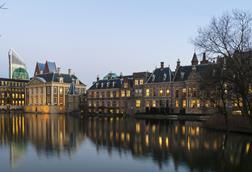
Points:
x=138, y=103
x=122, y=93
x=138, y=92
x=141, y=81
x=55, y=90
x=61, y=79
x=195, y=103
x=136, y=82
x=184, y=92
x=160, y=93
x=177, y=93
x=184, y=103
x=111, y=94
x=167, y=92
x=177, y=104
x=147, y=104
x=61, y=90
x=128, y=93
x=154, y=104
x=147, y=93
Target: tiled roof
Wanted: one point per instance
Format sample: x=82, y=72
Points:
x=161, y=75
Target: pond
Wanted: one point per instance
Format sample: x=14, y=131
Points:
x=62, y=143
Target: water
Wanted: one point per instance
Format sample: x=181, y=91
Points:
x=61, y=143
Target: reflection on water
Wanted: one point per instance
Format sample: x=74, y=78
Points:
x=182, y=145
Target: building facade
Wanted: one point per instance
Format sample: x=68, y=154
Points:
x=161, y=92
x=12, y=94
x=48, y=92
x=112, y=94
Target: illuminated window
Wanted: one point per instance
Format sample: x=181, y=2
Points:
x=160, y=92
x=177, y=104
x=61, y=90
x=122, y=93
x=128, y=93
x=111, y=94
x=184, y=104
x=136, y=82
x=147, y=104
x=147, y=92
x=125, y=85
x=117, y=93
x=141, y=81
x=138, y=103
x=195, y=103
x=154, y=104
x=184, y=92
x=167, y=92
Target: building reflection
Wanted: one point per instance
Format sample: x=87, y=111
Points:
x=51, y=135
x=164, y=142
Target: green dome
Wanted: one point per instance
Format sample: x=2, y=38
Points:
x=110, y=76
x=20, y=73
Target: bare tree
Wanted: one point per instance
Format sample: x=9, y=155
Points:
x=229, y=36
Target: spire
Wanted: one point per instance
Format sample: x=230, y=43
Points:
x=195, y=59
x=178, y=64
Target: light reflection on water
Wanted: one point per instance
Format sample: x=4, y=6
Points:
x=63, y=143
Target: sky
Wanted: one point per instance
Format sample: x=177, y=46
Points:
x=94, y=37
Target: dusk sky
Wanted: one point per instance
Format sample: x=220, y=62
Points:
x=98, y=36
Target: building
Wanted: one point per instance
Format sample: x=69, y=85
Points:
x=47, y=92
x=112, y=94
x=73, y=99
x=12, y=94
x=17, y=68
x=158, y=91
x=163, y=91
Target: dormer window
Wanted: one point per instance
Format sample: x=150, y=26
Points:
x=113, y=83
x=102, y=85
x=61, y=79
x=97, y=84
x=77, y=82
x=153, y=78
x=165, y=77
x=108, y=84
x=182, y=75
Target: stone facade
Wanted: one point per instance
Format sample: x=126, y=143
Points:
x=49, y=93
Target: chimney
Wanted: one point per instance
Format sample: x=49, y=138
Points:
x=121, y=75
x=58, y=70
x=204, y=60
x=69, y=71
x=162, y=65
x=97, y=78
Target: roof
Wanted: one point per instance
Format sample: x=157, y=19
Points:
x=13, y=80
x=41, y=66
x=55, y=77
x=112, y=83
x=184, y=72
x=161, y=75
x=110, y=76
x=51, y=66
